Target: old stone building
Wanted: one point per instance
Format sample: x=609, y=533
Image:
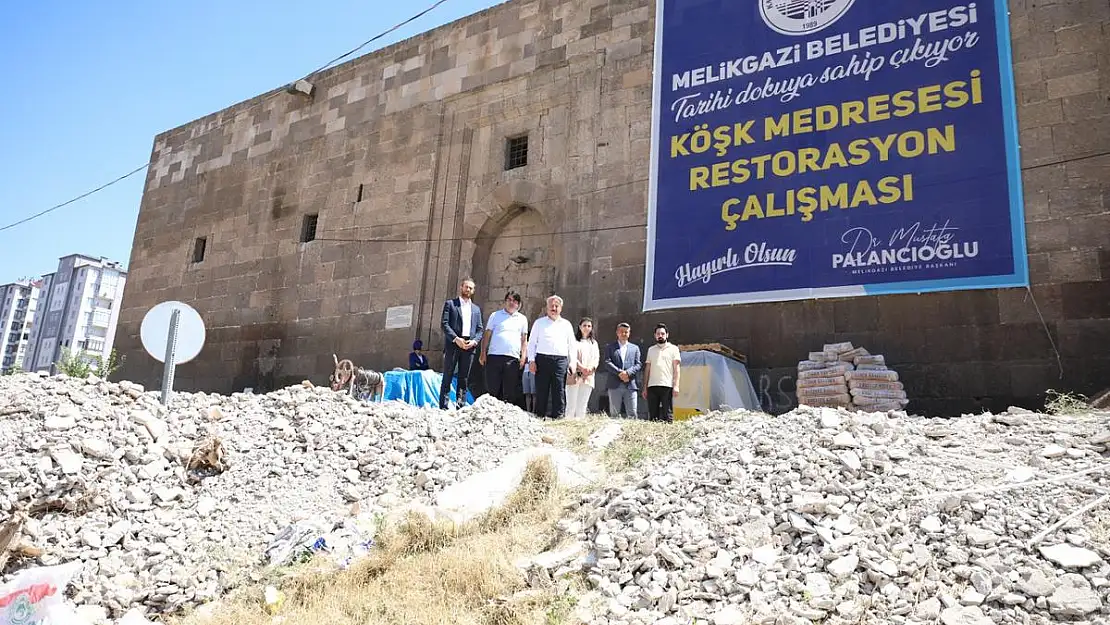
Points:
x=513, y=146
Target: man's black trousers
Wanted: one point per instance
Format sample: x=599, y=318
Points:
x=660, y=401
x=453, y=358
x=503, y=378
x=551, y=382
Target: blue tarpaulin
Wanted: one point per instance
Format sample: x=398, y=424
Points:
x=419, y=388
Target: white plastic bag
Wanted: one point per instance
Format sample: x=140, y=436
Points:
x=37, y=597
x=135, y=617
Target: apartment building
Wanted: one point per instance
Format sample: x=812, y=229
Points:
x=78, y=310
x=18, y=302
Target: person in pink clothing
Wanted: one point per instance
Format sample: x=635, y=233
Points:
x=580, y=382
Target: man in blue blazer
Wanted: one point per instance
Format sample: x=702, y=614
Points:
x=462, y=331
x=622, y=361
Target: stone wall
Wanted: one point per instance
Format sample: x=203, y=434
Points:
x=401, y=155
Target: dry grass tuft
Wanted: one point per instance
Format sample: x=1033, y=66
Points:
x=419, y=534
x=424, y=572
x=1060, y=404
x=642, y=440
x=538, y=494
x=639, y=440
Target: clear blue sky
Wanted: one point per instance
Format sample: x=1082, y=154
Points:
x=89, y=84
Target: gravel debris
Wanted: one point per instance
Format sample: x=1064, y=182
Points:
x=101, y=473
x=767, y=520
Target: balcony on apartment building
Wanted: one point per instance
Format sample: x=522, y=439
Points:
x=105, y=289
x=100, y=318
x=92, y=347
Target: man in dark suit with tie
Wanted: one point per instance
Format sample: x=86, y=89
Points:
x=462, y=329
x=622, y=361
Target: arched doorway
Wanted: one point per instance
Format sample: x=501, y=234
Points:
x=522, y=259
x=515, y=248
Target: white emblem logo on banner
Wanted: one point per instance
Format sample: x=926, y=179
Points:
x=802, y=17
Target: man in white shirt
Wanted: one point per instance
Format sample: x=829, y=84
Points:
x=552, y=351
x=461, y=325
x=503, y=348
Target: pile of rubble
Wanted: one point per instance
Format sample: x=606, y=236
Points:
x=168, y=508
x=827, y=515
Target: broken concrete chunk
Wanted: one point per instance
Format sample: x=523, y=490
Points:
x=931, y=524
x=964, y=615
x=1053, y=451
x=1070, y=557
x=69, y=462
x=844, y=566
x=979, y=537
x=1074, y=597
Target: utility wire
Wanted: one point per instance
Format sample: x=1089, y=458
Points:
x=1064, y=161
x=424, y=220
x=483, y=238
x=79, y=197
x=145, y=165
x=379, y=36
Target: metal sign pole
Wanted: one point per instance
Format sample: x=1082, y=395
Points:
x=171, y=357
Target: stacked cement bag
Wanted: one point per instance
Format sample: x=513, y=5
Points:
x=822, y=378
x=873, y=386
x=842, y=375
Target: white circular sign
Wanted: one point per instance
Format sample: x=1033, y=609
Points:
x=156, y=328
x=802, y=17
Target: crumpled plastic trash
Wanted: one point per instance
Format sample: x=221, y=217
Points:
x=273, y=599
x=135, y=617
x=345, y=541
x=292, y=542
x=36, y=596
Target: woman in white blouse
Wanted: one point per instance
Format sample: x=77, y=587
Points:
x=580, y=382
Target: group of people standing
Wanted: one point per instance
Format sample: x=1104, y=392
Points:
x=549, y=369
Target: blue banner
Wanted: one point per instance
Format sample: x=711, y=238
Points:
x=831, y=148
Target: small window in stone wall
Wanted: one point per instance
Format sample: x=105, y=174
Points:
x=516, y=152
x=308, y=228
x=200, y=246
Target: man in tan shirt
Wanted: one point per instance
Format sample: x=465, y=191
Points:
x=661, y=372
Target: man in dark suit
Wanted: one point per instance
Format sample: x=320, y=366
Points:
x=462, y=329
x=622, y=361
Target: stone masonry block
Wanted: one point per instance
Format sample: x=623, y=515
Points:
x=1076, y=199
x=1074, y=266
x=1037, y=146
x=1073, y=84
x=1071, y=64
x=1085, y=300
x=1033, y=47
x=1035, y=92
x=1021, y=305
x=1048, y=236
x=1088, y=105
x=1081, y=138
x=1078, y=38
x=1039, y=114
x=1055, y=16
